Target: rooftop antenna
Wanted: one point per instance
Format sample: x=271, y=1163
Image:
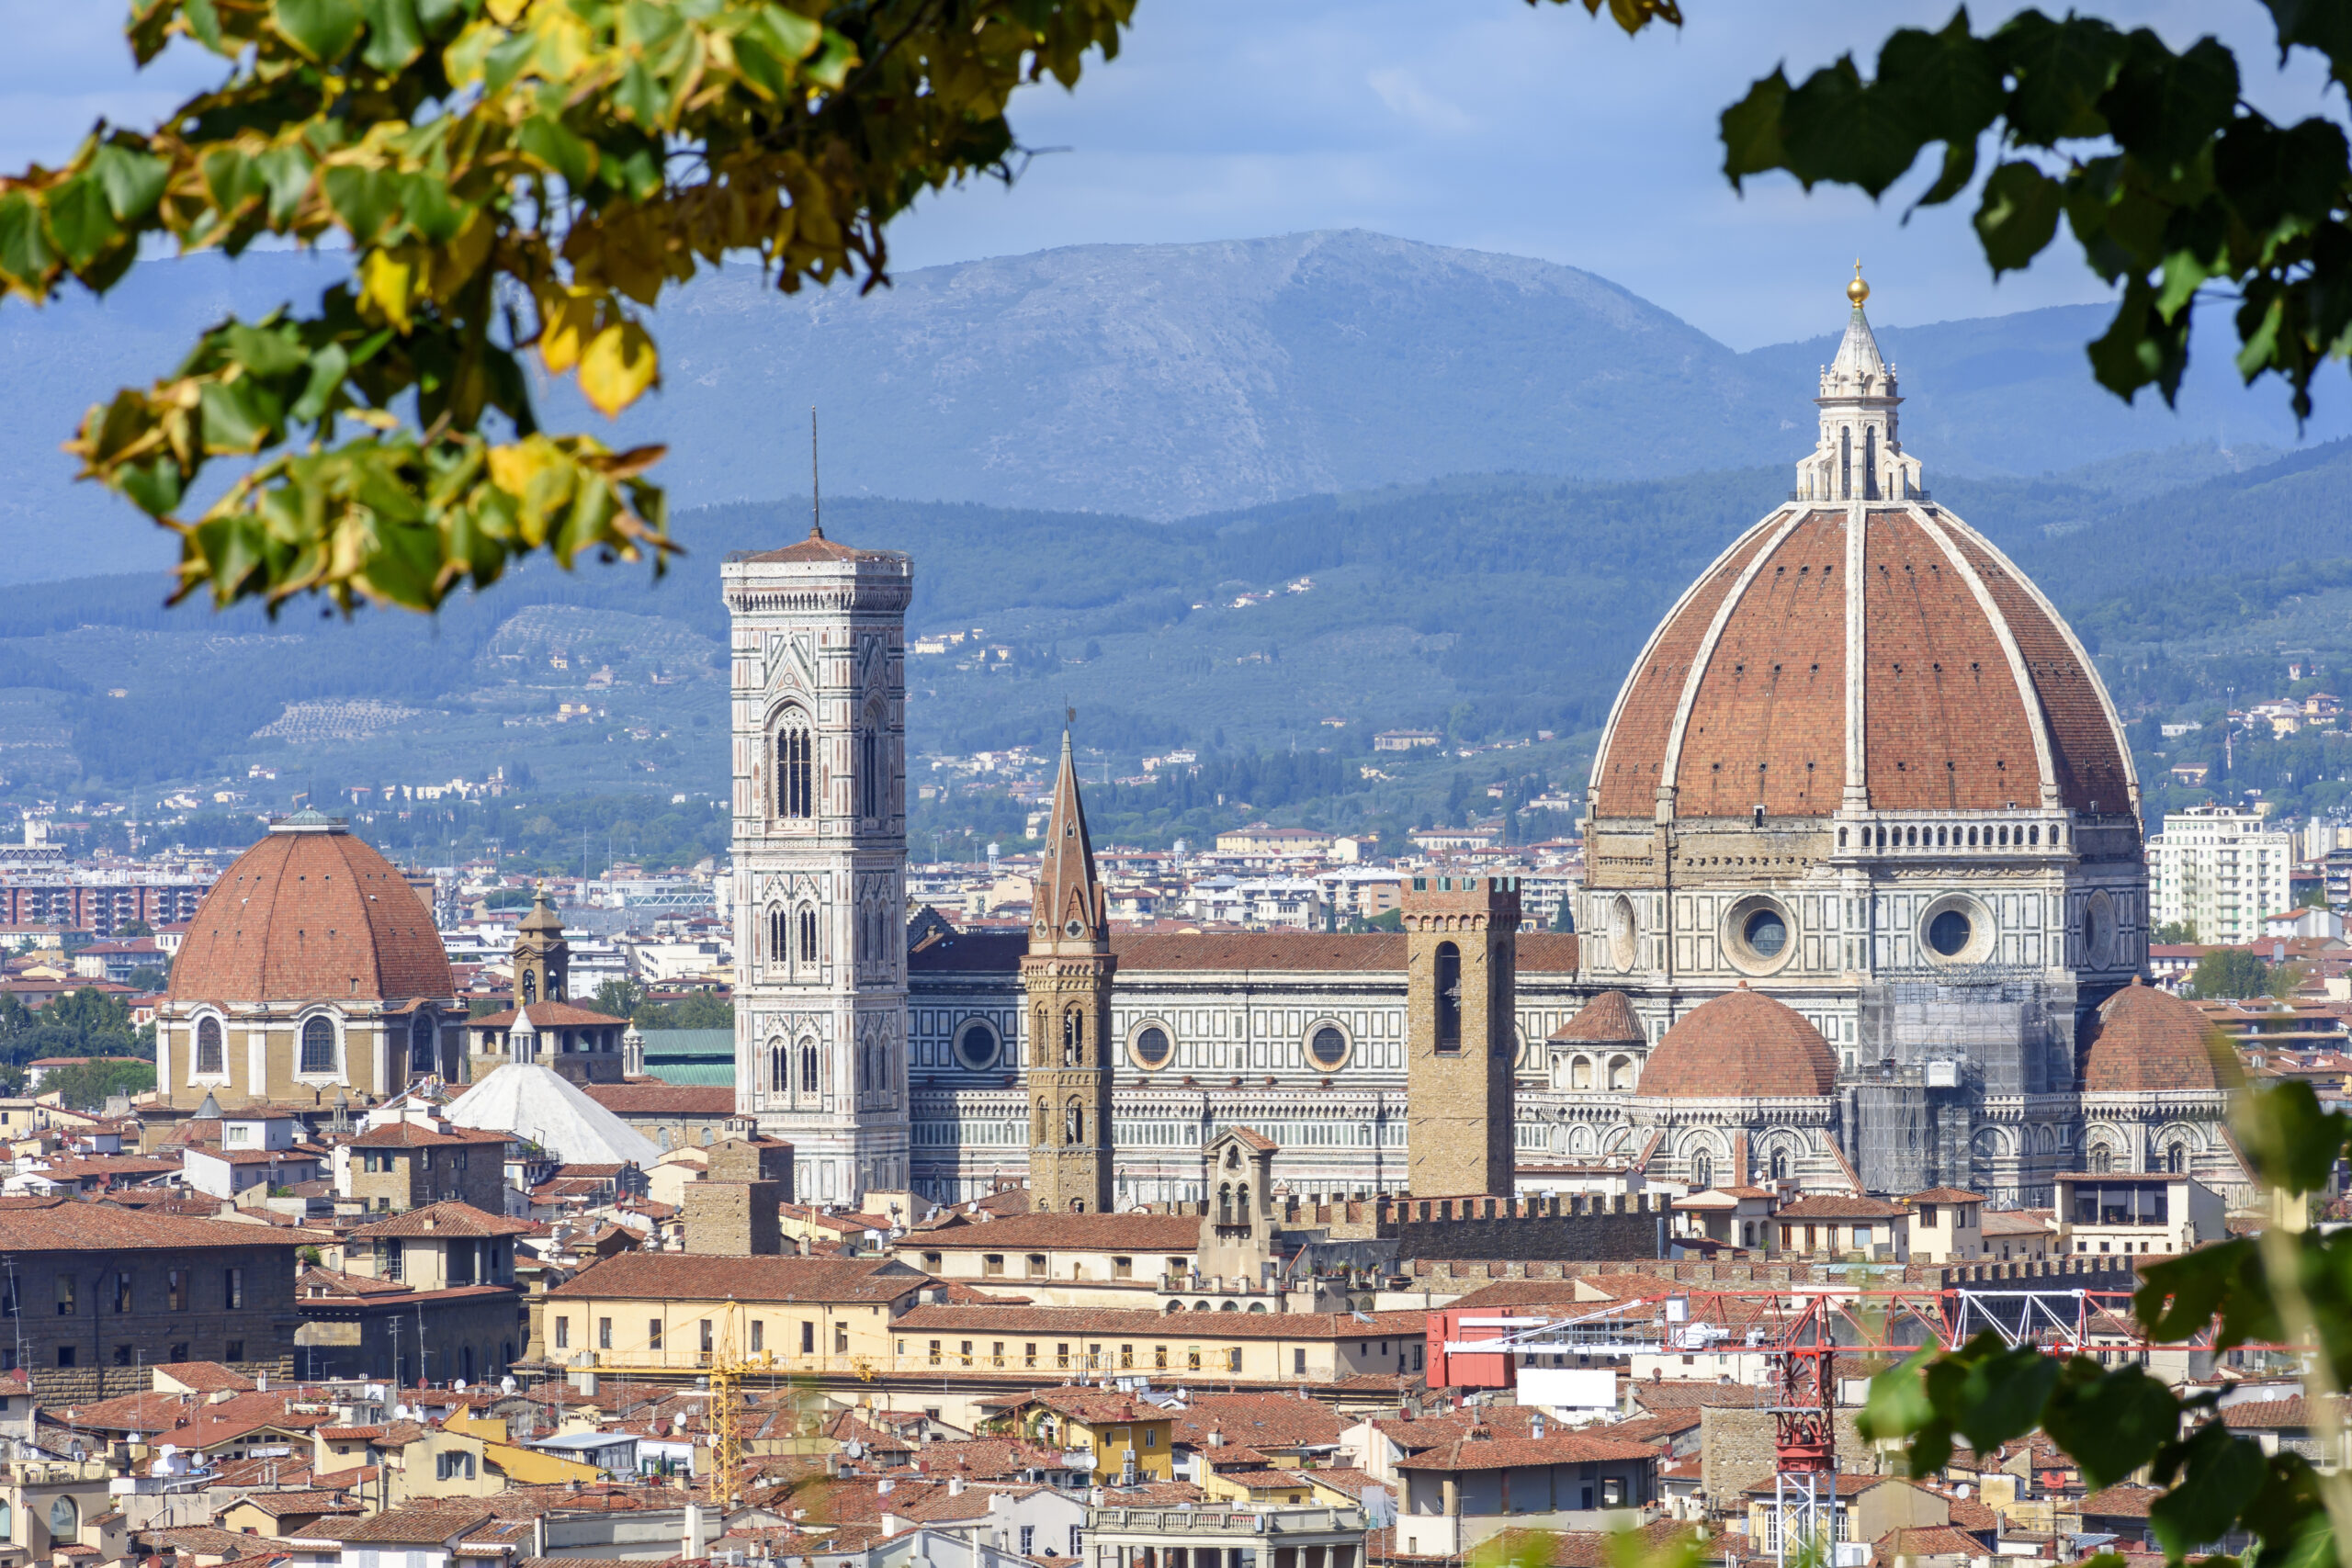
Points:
x=816, y=504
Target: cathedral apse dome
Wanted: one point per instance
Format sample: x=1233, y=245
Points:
x=1742, y=1045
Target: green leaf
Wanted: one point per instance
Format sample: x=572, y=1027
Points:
x=2323, y=26
x=1947, y=81
x=322, y=29
x=80, y=218
x=328, y=367
x=1751, y=130
x=287, y=172
x=547, y=142
x=2220, y=1476
x=2003, y=1395
x=1959, y=167
x=2061, y=69
x=2017, y=217
x=154, y=486
x=1837, y=127
x=2277, y=179
x=2111, y=1422
x=393, y=37
x=238, y=416
x=133, y=181
x=2178, y=1297
x=25, y=254
x=2164, y=107
x=363, y=198
x=204, y=24
x=2290, y=1142
x=638, y=96
x=264, y=351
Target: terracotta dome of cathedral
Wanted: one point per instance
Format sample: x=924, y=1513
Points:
x=310, y=913
x=1741, y=1045
x=1912, y=670
x=2143, y=1040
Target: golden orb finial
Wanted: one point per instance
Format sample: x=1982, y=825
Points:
x=1858, y=291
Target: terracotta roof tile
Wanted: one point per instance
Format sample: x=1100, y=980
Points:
x=304, y=915
x=662, y=1099
x=1138, y=1233
x=1554, y=1447
x=2143, y=1039
x=1607, y=1020
x=451, y=1218
x=669, y=1276
x=60, y=1224
x=1742, y=1044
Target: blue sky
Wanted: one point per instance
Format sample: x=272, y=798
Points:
x=1490, y=124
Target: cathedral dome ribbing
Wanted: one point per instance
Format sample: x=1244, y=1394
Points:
x=1861, y=648
x=1741, y=1045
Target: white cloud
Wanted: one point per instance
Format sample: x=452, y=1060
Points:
x=1405, y=96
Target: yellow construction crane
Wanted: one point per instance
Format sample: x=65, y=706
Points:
x=727, y=1372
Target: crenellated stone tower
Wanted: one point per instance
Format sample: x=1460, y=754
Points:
x=818, y=690
x=1461, y=938
x=1066, y=980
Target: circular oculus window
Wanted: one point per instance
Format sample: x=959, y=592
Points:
x=1956, y=929
x=1152, y=1047
x=1621, y=933
x=1766, y=933
x=1756, y=935
x=1326, y=1047
x=978, y=1046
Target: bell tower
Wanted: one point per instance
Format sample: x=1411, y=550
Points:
x=819, y=883
x=1461, y=1045
x=542, y=957
x=1066, y=978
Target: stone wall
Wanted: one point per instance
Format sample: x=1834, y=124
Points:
x=734, y=1219
x=84, y=1337
x=1737, y=1450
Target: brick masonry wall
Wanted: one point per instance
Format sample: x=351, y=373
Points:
x=1614, y=1237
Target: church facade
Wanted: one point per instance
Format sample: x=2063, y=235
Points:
x=1864, y=867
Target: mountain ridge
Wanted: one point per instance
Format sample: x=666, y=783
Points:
x=1164, y=381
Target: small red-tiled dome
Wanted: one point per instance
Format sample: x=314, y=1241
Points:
x=2142, y=1039
x=311, y=914
x=1607, y=1020
x=1742, y=1045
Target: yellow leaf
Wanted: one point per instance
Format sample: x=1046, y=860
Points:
x=512, y=469
x=504, y=12
x=386, y=279
x=619, y=365
x=567, y=319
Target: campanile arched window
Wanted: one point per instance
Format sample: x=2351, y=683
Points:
x=795, y=774
x=779, y=935
x=870, y=792
x=809, y=1067
x=1869, y=462
x=1449, y=997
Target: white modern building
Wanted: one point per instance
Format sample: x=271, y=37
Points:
x=2221, y=871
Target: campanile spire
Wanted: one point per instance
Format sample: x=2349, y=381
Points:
x=1067, y=978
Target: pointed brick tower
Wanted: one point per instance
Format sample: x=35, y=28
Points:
x=1067, y=977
